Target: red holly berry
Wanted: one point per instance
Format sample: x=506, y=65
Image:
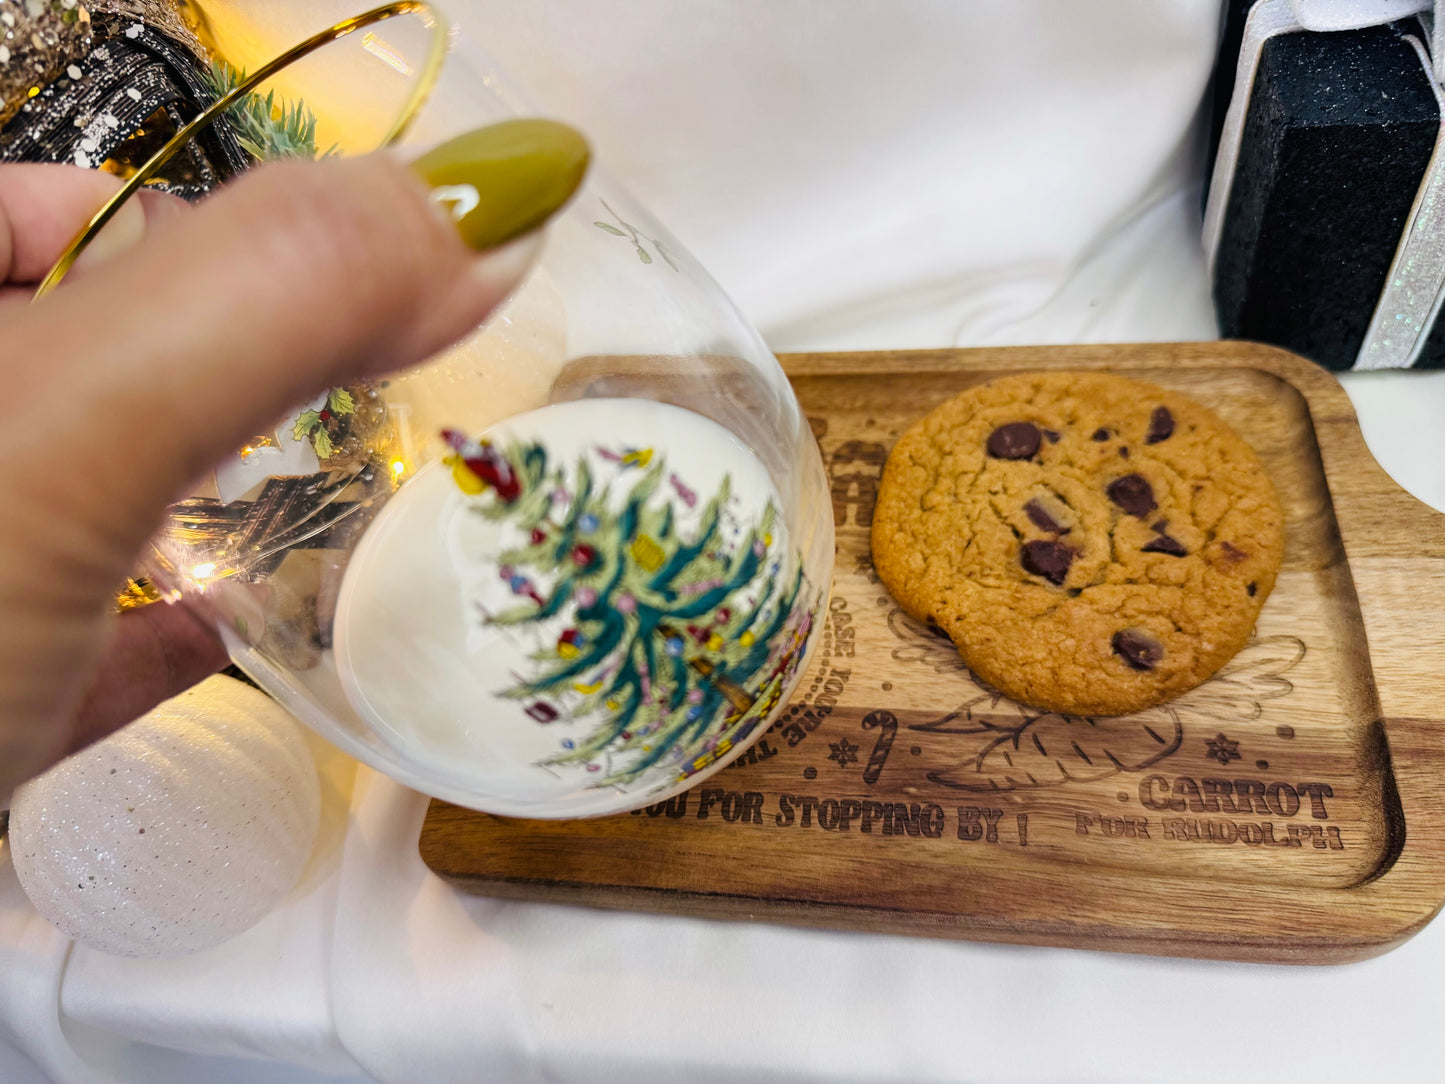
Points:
x=325, y=415
x=538, y=536
x=583, y=554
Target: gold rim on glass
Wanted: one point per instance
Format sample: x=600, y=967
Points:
x=416, y=98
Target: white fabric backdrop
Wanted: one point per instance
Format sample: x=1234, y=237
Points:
x=860, y=174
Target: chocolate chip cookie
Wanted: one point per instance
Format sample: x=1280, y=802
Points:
x=1091, y=544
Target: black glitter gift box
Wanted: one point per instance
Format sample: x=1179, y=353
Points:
x=1322, y=226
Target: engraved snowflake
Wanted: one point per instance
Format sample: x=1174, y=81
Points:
x=1222, y=749
x=845, y=752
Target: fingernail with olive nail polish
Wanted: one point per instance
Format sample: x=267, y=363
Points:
x=500, y=182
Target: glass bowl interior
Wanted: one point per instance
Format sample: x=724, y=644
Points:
x=602, y=583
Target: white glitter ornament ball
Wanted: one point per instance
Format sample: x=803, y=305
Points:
x=177, y=832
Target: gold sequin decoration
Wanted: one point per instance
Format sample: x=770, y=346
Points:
x=39, y=41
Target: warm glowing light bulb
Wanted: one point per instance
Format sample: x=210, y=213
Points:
x=397, y=466
x=200, y=572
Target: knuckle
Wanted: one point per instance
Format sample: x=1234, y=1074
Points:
x=352, y=231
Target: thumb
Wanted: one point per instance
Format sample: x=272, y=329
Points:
x=151, y=367
x=153, y=653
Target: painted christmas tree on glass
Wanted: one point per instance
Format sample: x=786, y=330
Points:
x=673, y=642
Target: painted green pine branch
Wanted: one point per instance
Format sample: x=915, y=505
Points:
x=655, y=675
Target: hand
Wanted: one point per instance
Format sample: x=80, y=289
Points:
x=150, y=364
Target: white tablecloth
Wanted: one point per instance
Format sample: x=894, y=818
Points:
x=857, y=175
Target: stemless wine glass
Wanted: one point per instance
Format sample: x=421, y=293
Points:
x=568, y=568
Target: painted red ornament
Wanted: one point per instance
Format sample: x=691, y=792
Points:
x=542, y=711
x=538, y=536
x=583, y=554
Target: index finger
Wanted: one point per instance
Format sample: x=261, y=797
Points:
x=43, y=207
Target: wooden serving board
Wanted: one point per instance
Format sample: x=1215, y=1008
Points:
x=1290, y=809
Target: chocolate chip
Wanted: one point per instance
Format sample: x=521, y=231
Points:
x=1164, y=544
x=1101, y=435
x=1138, y=648
x=1161, y=426
x=1251, y=588
x=1160, y=525
x=1124, y=452
x=1053, y=435
x=1041, y=519
x=1133, y=494
x=1016, y=440
x=1232, y=553
x=1051, y=560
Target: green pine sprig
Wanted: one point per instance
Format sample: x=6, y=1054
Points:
x=267, y=128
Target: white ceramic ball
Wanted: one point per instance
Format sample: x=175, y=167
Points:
x=177, y=832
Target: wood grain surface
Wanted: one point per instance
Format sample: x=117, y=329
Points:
x=1290, y=809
